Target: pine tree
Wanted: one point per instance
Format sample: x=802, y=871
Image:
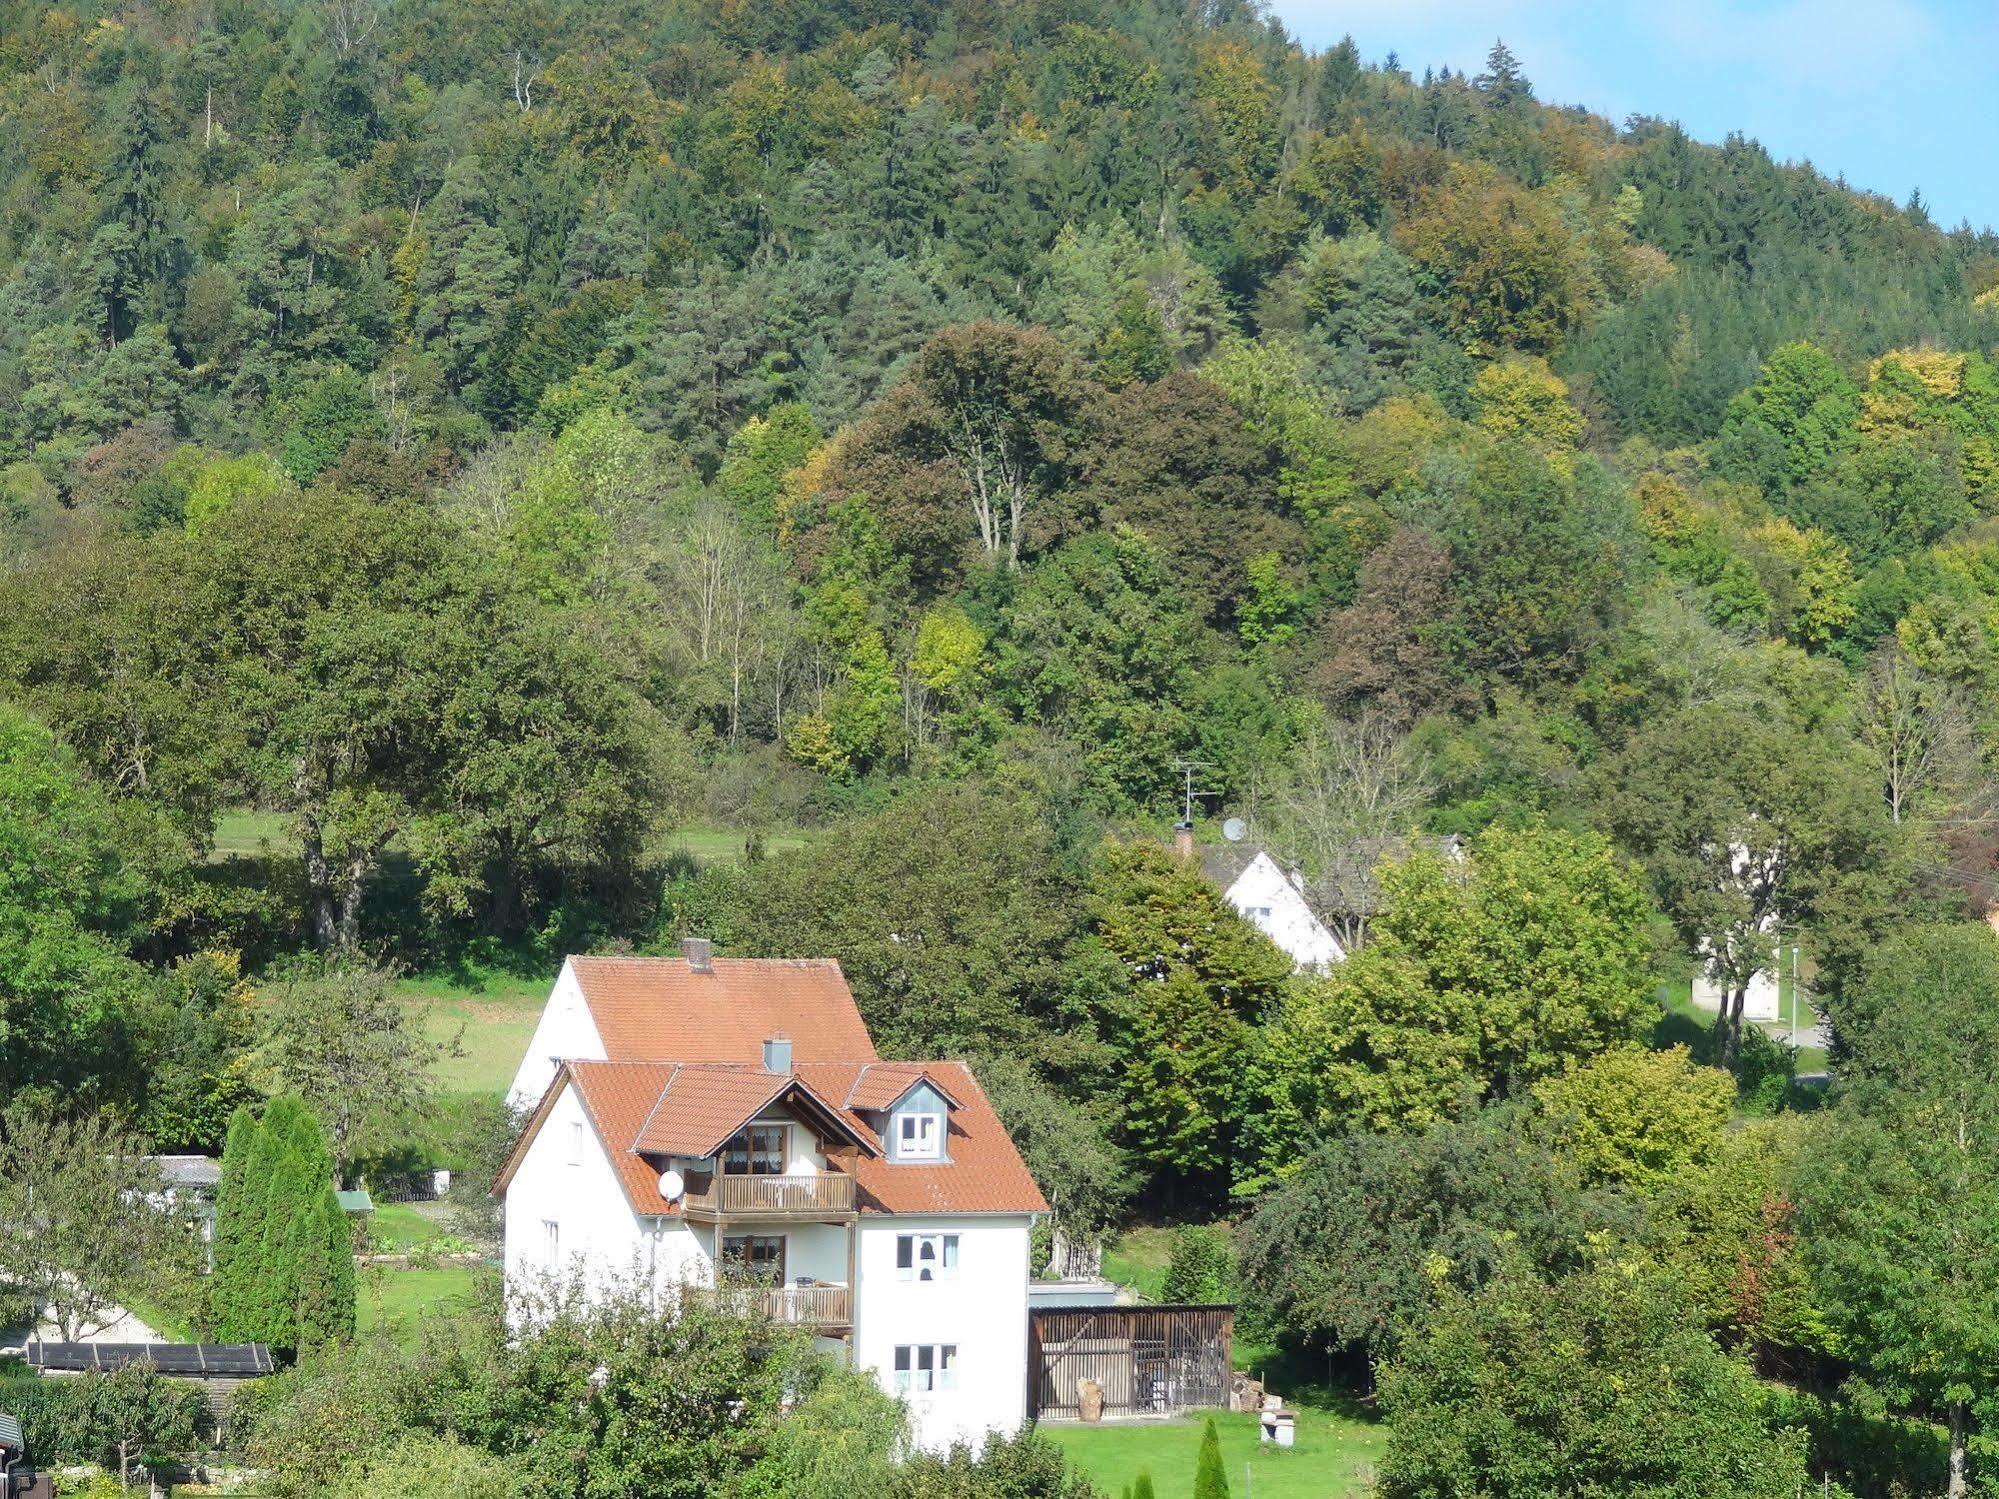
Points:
x=1142, y=1489
x=1210, y=1481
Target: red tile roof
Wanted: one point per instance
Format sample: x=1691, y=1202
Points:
x=633, y=1107
x=880, y=1085
x=702, y=1107
x=660, y=1010
x=686, y=1072
x=984, y=1174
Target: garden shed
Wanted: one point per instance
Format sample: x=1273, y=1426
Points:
x=1146, y=1360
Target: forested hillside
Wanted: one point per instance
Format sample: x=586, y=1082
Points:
x=506, y=452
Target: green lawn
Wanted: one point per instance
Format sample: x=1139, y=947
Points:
x=396, y=1226
x=1334, y=1458
x=1679, y=1001
x=401, y=1299
x=1138, y=1258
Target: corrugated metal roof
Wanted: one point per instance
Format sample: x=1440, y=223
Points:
x=201, y=1360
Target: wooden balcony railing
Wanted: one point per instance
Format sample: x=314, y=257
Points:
x=804, y=1196
x=795, y=1306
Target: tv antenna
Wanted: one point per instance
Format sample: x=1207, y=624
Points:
x=1186, y=769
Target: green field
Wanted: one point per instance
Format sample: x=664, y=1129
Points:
x=399, y=1299
x=245, y=833
x=489, y=1016
x=725, y=845
x=1334, y=1459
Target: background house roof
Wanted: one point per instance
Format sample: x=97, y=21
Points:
x=662, y=1010
x=188, y=1170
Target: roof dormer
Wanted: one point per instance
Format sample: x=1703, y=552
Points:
x=919, y=1126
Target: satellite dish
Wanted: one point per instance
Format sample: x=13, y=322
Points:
x=671, y=1185
x=1235, y=830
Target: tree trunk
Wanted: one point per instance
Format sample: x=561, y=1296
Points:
x=350, y=902
x=1728, y=1024
x=1960, y=1421
x=319, y=890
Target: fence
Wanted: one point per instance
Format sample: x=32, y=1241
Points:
x=1147, y=1360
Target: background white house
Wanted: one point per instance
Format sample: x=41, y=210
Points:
x=880, y=1205
x=1271, y=901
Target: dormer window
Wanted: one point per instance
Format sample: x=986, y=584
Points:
x=919, y=1136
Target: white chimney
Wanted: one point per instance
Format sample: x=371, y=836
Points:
x=777, y=1055
x=700, y=954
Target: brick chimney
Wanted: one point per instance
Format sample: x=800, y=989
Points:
x=1183, y=842
x=700, y=954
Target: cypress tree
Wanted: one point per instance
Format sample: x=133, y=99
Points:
x=326, y=1274
x=1143, y=1488
x=1210, y=1479
x=247, y=1314
x=233, y=1226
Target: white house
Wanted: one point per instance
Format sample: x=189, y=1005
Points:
x=1270, y=900
x=1762, y=1000
x=879, y=1204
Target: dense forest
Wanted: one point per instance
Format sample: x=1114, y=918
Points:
x=509, y=450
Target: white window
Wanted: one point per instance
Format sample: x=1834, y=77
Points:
x=1258, y=913
x=926, y=1257
x=551, y=1233
x=923, y=1367
x=576, y=1143
x=919, y=1137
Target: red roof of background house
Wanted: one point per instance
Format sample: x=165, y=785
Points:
x=661, y=1010
x=623, y=1100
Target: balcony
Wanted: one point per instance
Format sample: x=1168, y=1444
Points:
x=818, y=1305
x=817, y=1197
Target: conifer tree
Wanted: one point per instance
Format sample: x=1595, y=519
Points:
x=1142, y=1489
x=289, y=1255
x=1210, y=1480
x=235, y=1226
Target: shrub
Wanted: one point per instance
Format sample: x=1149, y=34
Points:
x=1210, y=1479
x=1202, y=1267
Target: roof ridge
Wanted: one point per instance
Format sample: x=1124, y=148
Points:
x=671, y=1079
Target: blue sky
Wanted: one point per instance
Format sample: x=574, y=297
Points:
x=1895, y=94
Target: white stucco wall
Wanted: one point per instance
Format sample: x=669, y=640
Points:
x=1268, y=900
x=983, y=1311
x=1759, y=1001
x=599, y=1233
x=564, y=1032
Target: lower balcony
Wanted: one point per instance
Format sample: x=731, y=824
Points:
x=818, y=1305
